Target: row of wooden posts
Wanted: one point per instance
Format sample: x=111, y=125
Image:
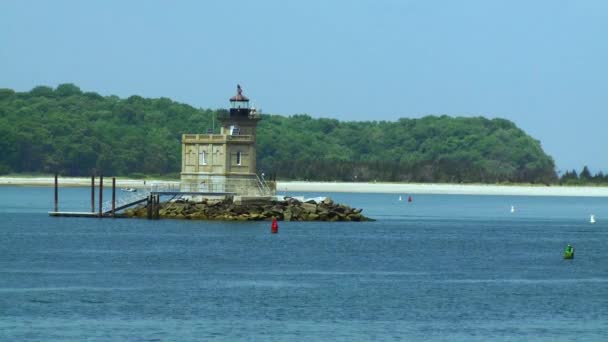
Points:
x=100, y=213
x=153, y=206
x=153, y=200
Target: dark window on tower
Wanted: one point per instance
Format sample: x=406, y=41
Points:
x=238, y=158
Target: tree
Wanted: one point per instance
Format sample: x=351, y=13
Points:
x=42, y=91
x=67, y=89
x=585, y=174
x=6, y=93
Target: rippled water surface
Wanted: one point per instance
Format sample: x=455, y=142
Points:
x=439, y=268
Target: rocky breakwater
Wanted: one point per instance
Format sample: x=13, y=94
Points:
x=289, y=209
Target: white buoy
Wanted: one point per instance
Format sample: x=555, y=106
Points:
x=400, y=199
x=512, y=209
x=592, y=219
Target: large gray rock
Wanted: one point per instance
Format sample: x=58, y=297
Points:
x=309, y=207
x=287, y=215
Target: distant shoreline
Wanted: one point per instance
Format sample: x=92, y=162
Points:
x=396, y=188
x=446, y=189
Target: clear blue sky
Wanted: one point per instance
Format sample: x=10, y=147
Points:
x=542, y=64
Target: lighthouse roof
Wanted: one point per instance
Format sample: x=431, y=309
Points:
x=239, y=95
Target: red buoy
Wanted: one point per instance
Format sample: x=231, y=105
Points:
x=409, y=199
x=274, y=227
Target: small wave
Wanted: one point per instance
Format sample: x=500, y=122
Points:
x=526, y=281
x=91, y=301
x=70, y=272
x=48, y=271
x=339, y=273
x=41, y=301
x=66, y=288
x=259, y=283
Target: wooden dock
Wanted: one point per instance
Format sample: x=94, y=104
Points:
x=151, y=198
x=72, y=214
x=81, y=214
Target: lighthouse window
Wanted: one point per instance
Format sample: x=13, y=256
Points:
x=240, y=104
x=238, y=158
x=202, y=159
x=234, y=130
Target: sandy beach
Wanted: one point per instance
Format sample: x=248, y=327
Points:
x=397, y=188
x=447, y=189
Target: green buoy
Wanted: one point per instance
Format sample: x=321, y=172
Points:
x=569, y=252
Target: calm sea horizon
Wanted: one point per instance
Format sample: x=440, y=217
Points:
x=443, y=267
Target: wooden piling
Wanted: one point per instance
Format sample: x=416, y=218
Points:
x=93, y=193
x=157, y=207
x=113, y=196
x=100, y=195
x=149, y=207
x=56, y=194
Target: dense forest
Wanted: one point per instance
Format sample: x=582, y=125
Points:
x=72, y=132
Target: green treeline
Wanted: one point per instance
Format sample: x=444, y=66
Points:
x=73, y=132
x=585, y=177
x=430, y=149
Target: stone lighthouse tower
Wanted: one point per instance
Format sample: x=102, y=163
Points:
x=225, y=162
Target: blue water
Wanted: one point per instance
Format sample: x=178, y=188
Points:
x=446, y=268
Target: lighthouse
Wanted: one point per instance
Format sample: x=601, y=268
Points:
x=224, y=162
